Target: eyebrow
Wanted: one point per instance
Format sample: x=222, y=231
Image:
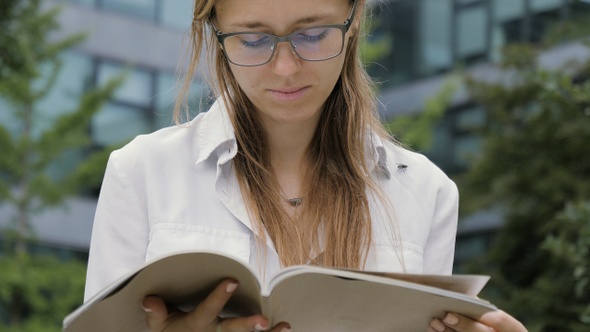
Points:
x=258, y=24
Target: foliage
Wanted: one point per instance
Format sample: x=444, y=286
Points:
x=576, y=27
x=26, y=153
x=9, y=58
x=569, y=241
x=534, y=162
x=37, y=292
x=41, y=285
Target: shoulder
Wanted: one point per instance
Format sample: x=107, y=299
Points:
x=163, y=144
x=415, y=172
x=403, y=160
x=191, y=142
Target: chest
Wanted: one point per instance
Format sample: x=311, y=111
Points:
x=206, y=212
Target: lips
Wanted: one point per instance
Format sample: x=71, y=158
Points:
x=288, y=94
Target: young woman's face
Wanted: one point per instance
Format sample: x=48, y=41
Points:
x=287, y=89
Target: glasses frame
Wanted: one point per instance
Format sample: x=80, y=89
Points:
x=287, y=38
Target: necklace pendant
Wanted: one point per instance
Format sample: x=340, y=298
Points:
x=294, y=201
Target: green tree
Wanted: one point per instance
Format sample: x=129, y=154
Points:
x=569, y=241
x=534, y=162
x=36, y=292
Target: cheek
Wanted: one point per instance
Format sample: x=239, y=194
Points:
x=333, y=73
x=246, y=79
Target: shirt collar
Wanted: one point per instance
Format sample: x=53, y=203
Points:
x=377, y=155
x=215, y=129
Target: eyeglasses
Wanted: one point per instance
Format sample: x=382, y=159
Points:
x=319, y=43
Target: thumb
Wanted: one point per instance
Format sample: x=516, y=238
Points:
x=501, y=321
x=156, y=310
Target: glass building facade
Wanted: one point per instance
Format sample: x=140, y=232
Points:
x=433, y=36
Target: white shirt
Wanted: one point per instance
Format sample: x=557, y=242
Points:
x=175, y=190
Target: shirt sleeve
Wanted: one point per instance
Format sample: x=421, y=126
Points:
x=439, y=251
x=120, y=231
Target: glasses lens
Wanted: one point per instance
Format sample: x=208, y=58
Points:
x=313, y=44
x=318, y=43
x=248, y=49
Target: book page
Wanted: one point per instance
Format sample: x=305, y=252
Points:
x=466, y=283
x=182, y=280
x=317, y=301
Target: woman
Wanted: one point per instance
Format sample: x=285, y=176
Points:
x=289, y=166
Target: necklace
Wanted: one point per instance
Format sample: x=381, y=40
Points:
x=296, y=201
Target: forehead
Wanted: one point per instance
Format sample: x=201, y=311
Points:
x=280, y=14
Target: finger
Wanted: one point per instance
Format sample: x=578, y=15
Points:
x=207, y=311
x=461, y=323
x=243, y=324
x=436, y=325
x=156, y=312
x=252, y=323
x=281, y=327
x=502, y=322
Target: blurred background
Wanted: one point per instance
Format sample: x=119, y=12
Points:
x=495, y=92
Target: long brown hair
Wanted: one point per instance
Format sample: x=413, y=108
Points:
x=336, y=213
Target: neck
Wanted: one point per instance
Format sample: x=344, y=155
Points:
x=289, y=144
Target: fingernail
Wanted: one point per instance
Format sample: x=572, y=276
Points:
x=146, y=309
x=259, y=327
x=438, y=325
x=231, y=287
x=451, y=319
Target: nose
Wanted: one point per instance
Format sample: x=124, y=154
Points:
x=285, y=62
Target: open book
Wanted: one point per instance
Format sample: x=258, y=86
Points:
x=309, y=298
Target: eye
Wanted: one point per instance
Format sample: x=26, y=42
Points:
x=312, y=34
x=254, y=40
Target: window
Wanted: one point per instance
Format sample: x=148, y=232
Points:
x=117, y=124
x=137, y=88
x=543, y=5
x=507, y=10
x=435, y=36
x=129, y=112
x=142, y=104
x=472, y=27
x=398, y=64
x=176, y=13
x=73, y=77
x=70, y=85
x=543, y=19
x=466, y=144
x=455, y=143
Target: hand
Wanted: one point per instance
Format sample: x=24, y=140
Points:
x=205, y=317
x=497, y=321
